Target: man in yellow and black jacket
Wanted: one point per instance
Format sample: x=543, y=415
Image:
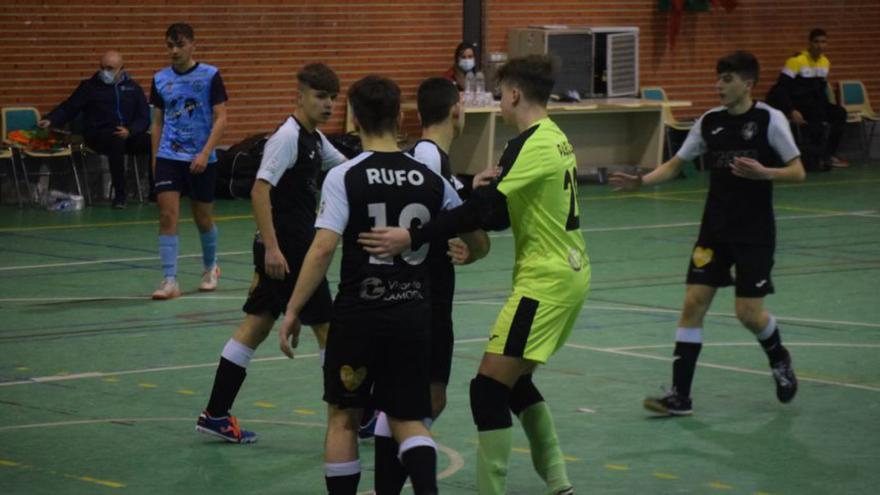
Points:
x=801, y=94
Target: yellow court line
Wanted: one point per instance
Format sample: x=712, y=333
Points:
x=226, y=218
x=719, y=486
x=664, y=476
x=89, y=479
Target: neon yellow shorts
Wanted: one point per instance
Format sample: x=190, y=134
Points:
x=530, y=329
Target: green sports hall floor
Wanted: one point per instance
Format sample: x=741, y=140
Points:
x=100, y=387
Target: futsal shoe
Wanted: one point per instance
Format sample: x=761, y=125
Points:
x=786, y=382
x=225, y=427
x=168, y=289
x=209, y=279
x=670, y=404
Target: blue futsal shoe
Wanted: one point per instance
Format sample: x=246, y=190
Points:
x=225, y=427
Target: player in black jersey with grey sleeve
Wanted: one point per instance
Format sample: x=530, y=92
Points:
x=285, y=200
x=747, y=146
x=442, y=117
x=379, y=338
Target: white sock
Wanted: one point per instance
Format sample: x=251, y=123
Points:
x=238, y=353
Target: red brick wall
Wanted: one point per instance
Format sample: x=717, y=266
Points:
x=48, y=46
x=771, y=29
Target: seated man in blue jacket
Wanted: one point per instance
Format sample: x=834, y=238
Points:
x=115, y=117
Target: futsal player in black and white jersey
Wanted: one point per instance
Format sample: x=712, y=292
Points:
x=285, y=200
x=442, y=117
x=379, y=335
x=747, y=146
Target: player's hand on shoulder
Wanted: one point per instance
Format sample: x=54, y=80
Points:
x=288, y=334
x=749, y=168
x=620, y=181
x=385, y=242
x=486, y=177
x=276, y=265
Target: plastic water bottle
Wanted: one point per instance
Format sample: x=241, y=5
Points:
x=479, y=89
x=469, y=88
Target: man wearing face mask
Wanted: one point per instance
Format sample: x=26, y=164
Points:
x=115, y=117
x=464, y=61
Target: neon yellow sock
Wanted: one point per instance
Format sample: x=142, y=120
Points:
x=493, y=454
x=544, y=445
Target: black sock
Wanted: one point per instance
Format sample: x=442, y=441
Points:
x=227, y=383
x=773, y=347
x=421, y=464
x=342, y=485
x=683, y=366
x=390, y=473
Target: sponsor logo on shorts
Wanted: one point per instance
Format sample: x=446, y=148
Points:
x=164, y=183
x=762, y=283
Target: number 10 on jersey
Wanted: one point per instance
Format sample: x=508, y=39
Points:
x=408, y=215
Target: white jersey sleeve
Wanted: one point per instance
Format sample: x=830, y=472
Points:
x=428, y=154
x=451, y=198
x=694, y=145
x=780, y=137
x=330, y=156
x=333, y=212
x=280, y=153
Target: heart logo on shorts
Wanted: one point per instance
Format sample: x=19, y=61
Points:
x=702, y=256
x=352, y=378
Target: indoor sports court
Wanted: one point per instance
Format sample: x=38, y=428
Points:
x=101, y=386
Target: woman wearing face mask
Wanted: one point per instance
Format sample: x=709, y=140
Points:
x=465, y=61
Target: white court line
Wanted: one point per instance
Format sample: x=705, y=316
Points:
x=749, y=344
x=865, y=213
x=102, y=374
x=627, y=309
x=144, y=298
x=456, y=460
x=721, y=367
x=146, y=420
x=113, y=260
x=861, y=213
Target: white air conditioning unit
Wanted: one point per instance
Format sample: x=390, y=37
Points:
x=595, y=61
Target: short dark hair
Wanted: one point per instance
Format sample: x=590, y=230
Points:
x=375, y=101
x=436, y=97
x=741, y=63
x=178, y=31
x=319, y=77
x=815, y=33
x=532, y=74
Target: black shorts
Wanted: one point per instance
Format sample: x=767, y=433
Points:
x=174, y=175
x=269, y=295
x=711, y=262
x=442, y=340
x=382, y=366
